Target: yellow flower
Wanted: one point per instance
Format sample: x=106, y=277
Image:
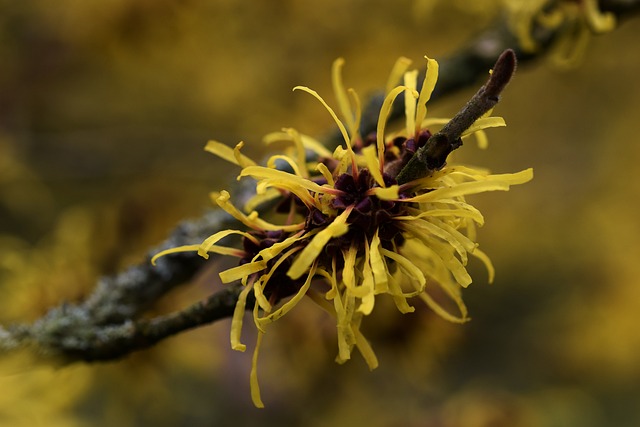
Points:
x=351, y=233
x=574, y=20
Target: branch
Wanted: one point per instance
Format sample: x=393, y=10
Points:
x=434, y=154
x=108, y=325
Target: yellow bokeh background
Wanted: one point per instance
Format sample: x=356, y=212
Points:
x=105, y=108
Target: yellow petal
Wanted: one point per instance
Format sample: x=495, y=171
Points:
x=309, y=254
x=324, y=170
x=373, y=164
x=252, y=219
x=368, y=298
x=236, y=320
x=241, y=271
x=179, y=249
x=261, y=172
x=343, y=130
x=293, y=164
x=411, y=83
x=264, y=279
x=398, y=298
x=481, y=138
x=378, y=266
x=405, y=263
x=346, y=337
x=385, y=109
x=429, y=83
x=258, y=199
x=288, y=186
x=286, y=307
x=453, y=264
x=389, y=193
x=401, y=65
x=426, y=231
x=301, y=153
x=274, y=250
x=341, y=95
x=365, y=349
x=447, y=213
x=229, y=154
x=500, y=182
x=598, y=21
x=308, y=142
x=487, y=263
x=206, y=245
x=349, y=270
x=442, y=312
x=356, y=126
x=253, y=377
x=484, y=123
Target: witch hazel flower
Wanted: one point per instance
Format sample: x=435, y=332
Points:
x=351, y=232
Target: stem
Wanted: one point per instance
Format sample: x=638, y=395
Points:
x=433, y=155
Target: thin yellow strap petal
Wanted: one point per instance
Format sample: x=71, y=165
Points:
x=236, y=320
x=453, y=264
x=487, y=263
x=258, y=293
x=484, y=123
x=288, y=186
x=326, y=173
x=301, y=153
x=346, y=337
x=272, y=164
x=412, y=270
x=309, y=142
x=309, y=254
x=378, y=266
x=382, y=118
x=341, y=95
x=261, y=172
x=426, y=231
x=348, y=274
x=275, y=249
x=365, y=350
x=368, y=298
x=179, y=249
x=411, y=83
x=343, y=130
x=429, y=83
x=253, y=377
x=599, y=22
x=229, y=154
x=252, y=219
x=260, y=298
x=358, y=107
x=389, y=193
x=286, y=307
x=401, y=65
x=442, y=312
x=241, y=271
x=493, y=183
x=258, y=199
x=482, y=140
x=206, y=245
x=398, y=298
x=315, y=146
x=373, y=164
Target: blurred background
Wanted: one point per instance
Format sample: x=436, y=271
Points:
x=105, y=108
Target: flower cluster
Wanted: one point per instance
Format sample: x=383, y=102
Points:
x=350, y=233
x=573, y=20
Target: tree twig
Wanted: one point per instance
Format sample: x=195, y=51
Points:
x=433, y=155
